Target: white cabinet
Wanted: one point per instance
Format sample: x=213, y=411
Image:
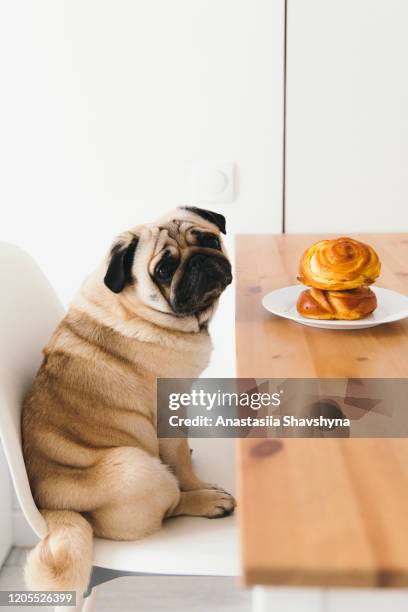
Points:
x=290, y=599
x=347, y=116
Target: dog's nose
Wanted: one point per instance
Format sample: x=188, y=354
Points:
x=205, y=277
x=213, y=270
x=197, y=260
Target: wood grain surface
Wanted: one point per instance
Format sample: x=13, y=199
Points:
x=319, y=512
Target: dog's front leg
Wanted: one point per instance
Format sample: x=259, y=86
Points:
x=175, y=452
x=197, y=498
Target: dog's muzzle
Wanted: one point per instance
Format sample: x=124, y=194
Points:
x=205, y=277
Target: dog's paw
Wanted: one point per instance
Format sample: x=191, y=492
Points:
x=213, y=487
x=216, y=503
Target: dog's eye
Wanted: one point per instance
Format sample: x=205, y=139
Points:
x=165, y=270
x=210, y=241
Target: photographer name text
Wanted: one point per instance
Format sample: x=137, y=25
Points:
x=267, y=421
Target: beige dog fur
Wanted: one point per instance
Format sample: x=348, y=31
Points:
x=94, y=461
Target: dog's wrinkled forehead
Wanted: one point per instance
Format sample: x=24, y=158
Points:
x=174, y=232
x=186, y=227
x=206, y=218
x=178, y=234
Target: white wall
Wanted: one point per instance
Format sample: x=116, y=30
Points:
x=347, y=118
x=105, y=104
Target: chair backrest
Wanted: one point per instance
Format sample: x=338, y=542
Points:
x=29, y=312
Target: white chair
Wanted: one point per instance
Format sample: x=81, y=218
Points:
x=29, y=312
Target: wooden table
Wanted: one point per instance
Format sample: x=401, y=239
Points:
x=320, y=512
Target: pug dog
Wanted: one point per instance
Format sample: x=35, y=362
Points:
x=94, y=460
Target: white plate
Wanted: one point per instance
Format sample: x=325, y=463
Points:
x=392, y=306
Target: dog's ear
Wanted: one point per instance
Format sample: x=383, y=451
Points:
x=119, y=272
x=209, y=215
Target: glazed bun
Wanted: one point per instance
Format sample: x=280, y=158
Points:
x=340, y=264
x=343, y=305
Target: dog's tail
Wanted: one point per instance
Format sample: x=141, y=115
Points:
x=63, y=559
